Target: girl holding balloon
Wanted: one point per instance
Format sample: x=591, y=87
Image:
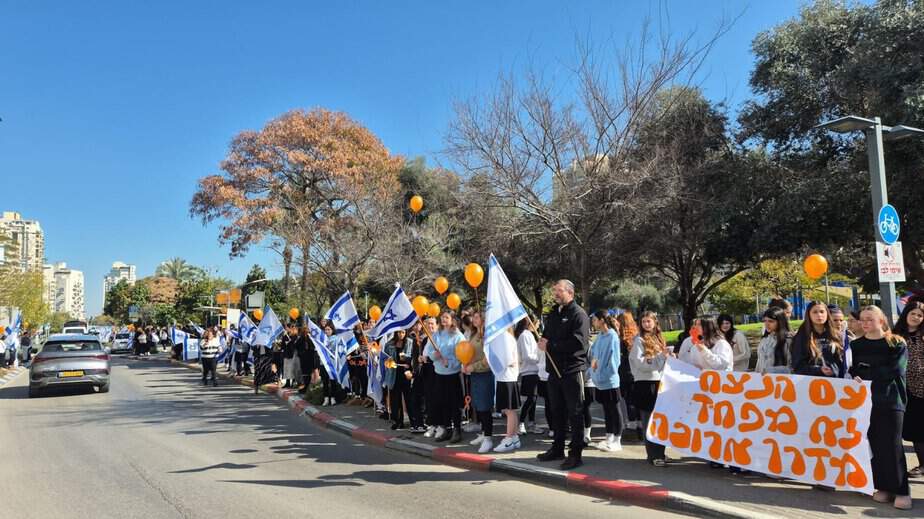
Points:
x=449, y=397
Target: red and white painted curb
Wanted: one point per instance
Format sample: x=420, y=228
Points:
x=624, y=491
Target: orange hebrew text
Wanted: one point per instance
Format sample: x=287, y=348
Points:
x=735, y=386
x=821, y=392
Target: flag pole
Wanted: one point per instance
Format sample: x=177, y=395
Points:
x=548, y=356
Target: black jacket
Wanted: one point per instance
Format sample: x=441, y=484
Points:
x=567, y=329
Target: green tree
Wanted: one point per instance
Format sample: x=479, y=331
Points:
x=837, y=59
x=179, y=270
x=117, y=301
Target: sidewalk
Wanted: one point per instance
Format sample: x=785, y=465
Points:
x=687, y=485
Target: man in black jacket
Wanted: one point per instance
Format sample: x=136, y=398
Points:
x=564, y=339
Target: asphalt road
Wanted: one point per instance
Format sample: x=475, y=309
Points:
x=160, y=446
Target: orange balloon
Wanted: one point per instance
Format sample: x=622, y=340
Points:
x=433, y=310
x=696, y=335
x=294, y=313
x=416, y=203
x=474, y=274
x=390, y=363
x=258, y=314
x=441, y=285
x=375, y=312
x=815, y=266
x=453, y=301
x=421, y=305
x=465, y=352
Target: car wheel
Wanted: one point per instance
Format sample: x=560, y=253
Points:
x=34, y=392
x=104, y=388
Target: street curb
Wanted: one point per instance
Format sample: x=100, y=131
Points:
x=648, y=496
x=11, y=375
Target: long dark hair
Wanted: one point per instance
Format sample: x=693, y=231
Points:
x=782, y=333
x=807, y=332
x=521, y=326
x=901, y=327
x=730, y=334
x=610, y=321
x=711, y=331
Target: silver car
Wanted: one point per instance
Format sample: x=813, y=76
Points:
x=122, y=342
x=69, y=360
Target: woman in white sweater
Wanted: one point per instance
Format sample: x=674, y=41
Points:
x=738, y=341
x=773, y=350
x=529, y=376
x=713, y=352
x=647, y=358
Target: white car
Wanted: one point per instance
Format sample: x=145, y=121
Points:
x=122, y=342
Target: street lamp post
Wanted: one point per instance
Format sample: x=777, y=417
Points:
x=875, y=130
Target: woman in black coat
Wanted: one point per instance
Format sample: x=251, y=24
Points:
x=304, y=348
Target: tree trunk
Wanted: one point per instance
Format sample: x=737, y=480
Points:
x=287, y=268
x=303, y=284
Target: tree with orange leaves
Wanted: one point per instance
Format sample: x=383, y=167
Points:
x=300, y=179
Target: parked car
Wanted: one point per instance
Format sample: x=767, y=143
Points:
x=75, y=327
x=122, y=342
x=69, y=360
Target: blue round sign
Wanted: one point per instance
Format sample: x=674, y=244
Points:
x=888, y=224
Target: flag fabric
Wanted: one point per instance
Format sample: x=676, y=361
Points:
x=270, y=328
x=199, y=330
x=343, y=366
x=225, y=350
x=398, y=314
x=375, y=368
x=177, y=335
x=320, y=340
x=503, y=310
x=343, y=317
x=246, y=330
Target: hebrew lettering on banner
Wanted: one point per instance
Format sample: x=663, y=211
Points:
x=810, y=429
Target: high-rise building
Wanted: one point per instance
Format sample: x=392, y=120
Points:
x=69, y=291
x=28, y=247
x=118, y=272
x=48, y=286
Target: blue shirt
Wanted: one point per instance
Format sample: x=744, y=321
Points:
x=605, y=350
x=446, y=342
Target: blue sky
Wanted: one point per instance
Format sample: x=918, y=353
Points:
x=112, y=110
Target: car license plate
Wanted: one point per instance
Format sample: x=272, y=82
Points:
x=67, y=374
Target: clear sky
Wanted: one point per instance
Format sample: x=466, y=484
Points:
x=112, y=110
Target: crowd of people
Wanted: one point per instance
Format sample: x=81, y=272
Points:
x=612, y=360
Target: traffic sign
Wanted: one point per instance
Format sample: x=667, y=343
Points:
x=889, y=225
x=891, y=263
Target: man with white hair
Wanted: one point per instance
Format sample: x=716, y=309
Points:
x=564, y=339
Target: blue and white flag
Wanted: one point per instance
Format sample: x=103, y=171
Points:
x=503, y=310
x=225, y=350
x=247, y=331
x=375, y=369
x=199, y=330
x=398, y=314
x=177, y=335
x=270, y=328
x=320, y=340
x=343, y=317
x=343, y=365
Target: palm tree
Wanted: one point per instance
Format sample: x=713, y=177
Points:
x=179, y=269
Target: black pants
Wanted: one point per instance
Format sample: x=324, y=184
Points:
x=588, y=400
x=528, y=385
x=566, y=399
x=208, y=366
x=416, y=400
x=399, y=396
x=450, y=400
x=431, y=399
x=487, y=423
x=890, y=469
x=609, y=399
x=325, y=382
x=241, y=358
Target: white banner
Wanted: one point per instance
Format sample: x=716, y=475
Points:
x=810, y=429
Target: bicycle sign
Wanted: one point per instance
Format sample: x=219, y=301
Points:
x=888, y=225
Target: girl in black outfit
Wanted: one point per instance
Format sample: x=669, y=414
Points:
x=304, y=348
x=882, y=357
x=911, y=328
x=400, y=349
x=415, y=409
x=818, y=347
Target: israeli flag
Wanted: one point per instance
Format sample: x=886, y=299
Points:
x=177, y=335
x=225, y=351
x=343, y=317
x=503, y=310
x=270, y=328
x=320, y=340
x=247, y=331
x=398, y=314
x=343, y=366
x=343, y=314
x=375, y=368
x=199, y=329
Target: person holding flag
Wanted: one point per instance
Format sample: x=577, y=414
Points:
x=265, y=335
x=398, y=314
x=449, y=397
x=503, y=311
x=304, y=349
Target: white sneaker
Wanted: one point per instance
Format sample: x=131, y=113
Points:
x=496, y=415
x=440, y=431
x=522, y=429
x=551, y=434
x=535, y=429
x=325, y=402
x=430, y=431
x=510, y=443
x=486, y=445
x=471, y=427
x=615, y=444
x=478, y=439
